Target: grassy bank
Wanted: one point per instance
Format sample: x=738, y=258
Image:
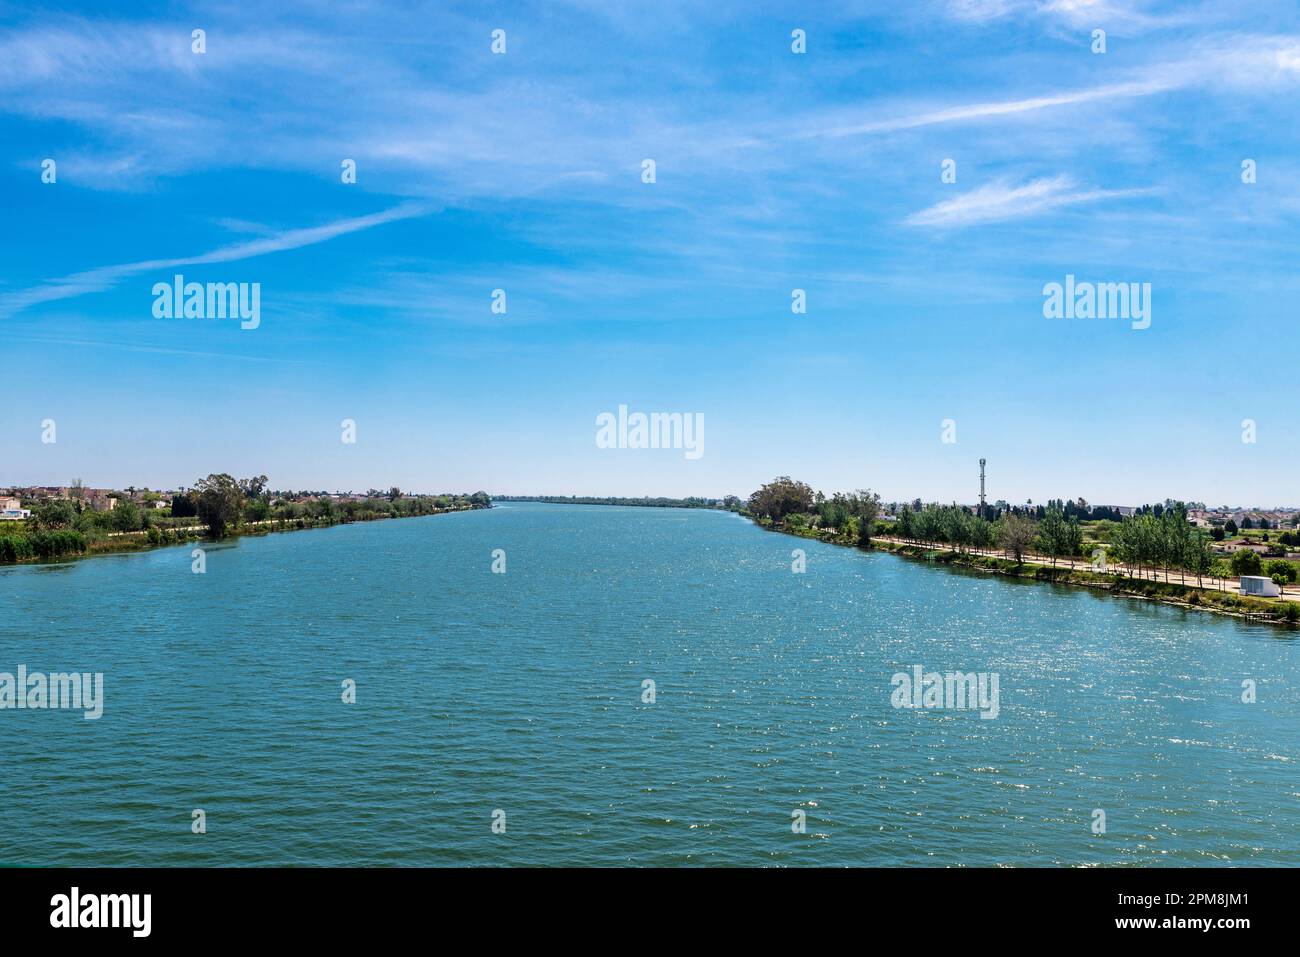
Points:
x=1254, y=609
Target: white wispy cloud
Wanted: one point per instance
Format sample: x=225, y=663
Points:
x=1001, y=201
x=98, y=345
x=979, y=10
x=1101, y=13
x=453, y=126
x=995, y=108
x=1076, y=13
x=106, y=277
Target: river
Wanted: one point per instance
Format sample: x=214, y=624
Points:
x=519, y=698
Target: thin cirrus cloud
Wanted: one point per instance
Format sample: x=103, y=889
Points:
x=1074, y=12
x=106, y=277
x=1237, y=63
x=1000, y=201
x=996, y=108
x=132, y=89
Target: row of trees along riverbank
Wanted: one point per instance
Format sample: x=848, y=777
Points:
x=1144, y=545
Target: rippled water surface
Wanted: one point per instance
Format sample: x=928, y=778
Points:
x=522, y=692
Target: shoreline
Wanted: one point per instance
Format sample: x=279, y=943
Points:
x=1229, y=604
x=129, y=543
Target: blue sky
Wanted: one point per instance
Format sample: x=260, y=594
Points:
x=775, y=171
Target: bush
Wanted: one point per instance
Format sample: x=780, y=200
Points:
x=54, y=544
x=126, y=517
x=257, y=510
x=59, y=514
x=1280, y=570
x=15, y=549
x=1246, y=562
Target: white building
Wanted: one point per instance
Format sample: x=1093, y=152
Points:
x=1259, y=586
x=14, y=514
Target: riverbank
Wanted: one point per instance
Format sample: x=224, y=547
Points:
x=1279, y=613
x=117, y=543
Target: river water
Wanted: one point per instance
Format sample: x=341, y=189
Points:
x=519, y=697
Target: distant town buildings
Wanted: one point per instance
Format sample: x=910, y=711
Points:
x=95, y=499
x=107, y=499
x=101, y=500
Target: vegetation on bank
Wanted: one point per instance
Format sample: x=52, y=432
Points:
x=793, y=506
x=1128, y=556
x=217, y=506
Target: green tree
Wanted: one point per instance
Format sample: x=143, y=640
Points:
x=1280, y=570
x=257, y=510
x=833, y=514
x=1198, y=558
x=56, y=514
x=865, y=505
x=929, y=526
x=1016, y=535
x=864, y=529
x=1052, y=533
x=126, y=517
x=220, y=502
x=955, y=524
x=781, y=497
x=853, y=531
x=185, y=504
x=1072, y=538
x=983, y=534
x=1175, y=536
x=1245, y=562
x=1137, y=542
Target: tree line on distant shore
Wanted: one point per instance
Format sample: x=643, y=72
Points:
x=223, y=503
x=220, y=503
x=729, y=502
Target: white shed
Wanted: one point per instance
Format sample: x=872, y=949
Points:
x=1260, y=586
